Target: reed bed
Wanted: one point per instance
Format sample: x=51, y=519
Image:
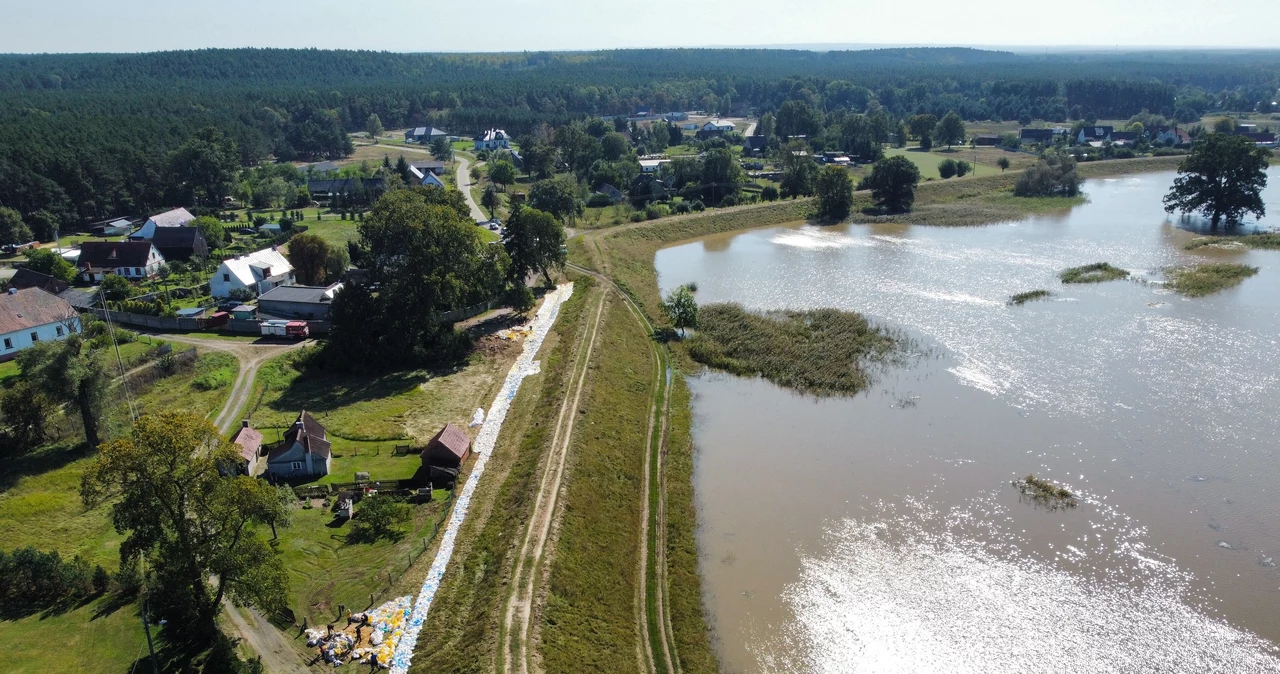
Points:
x=1261, y=241
x=1097, y=272
x=819, y=352
x=1206, y=279
x=1045, y=492
x=1029, y=296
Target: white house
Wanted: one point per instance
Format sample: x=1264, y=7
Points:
x=652, y=165
x=134, y=260
x=178, y=217
x=493, y=139
x=33, y=315
x=425, y=177
x=256, y=272
x=718, y=126
x=304, y=452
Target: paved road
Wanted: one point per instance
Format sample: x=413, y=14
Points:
x=751, y=128
x=464, y=186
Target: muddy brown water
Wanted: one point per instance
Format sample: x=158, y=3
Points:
x=880, y=533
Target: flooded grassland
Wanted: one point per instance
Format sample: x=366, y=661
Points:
x=881, y=532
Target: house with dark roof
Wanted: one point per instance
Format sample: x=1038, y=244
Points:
x=178, y=217
x=1098, y=134
x=755, y=146
x=305, y=451
x=423, y=134
x=1261, y=138
x=304, y=302
x=986, y=140
x=30, y=278
x=30, y=316
x=492, y=139
x=444, y=454
x=433, y=166
x=249, y=443
x=1033, y=136
x=322, y=168
x=134, y=260
x=1124, y=137
x=614, y=194
x=180, y=243
x=111, y=227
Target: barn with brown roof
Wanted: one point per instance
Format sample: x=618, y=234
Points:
x=32, y=315
x=448, y=449
x=249, y=442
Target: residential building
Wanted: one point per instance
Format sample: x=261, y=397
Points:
x=256, y=272
x=676, y=116
x=493, y=139
x=1169, y=135
x=134, y=260
x=305, y=451
x=25, y=278
x=717, y=126
x=614, y=194
x=986, y=140
x=178, y=217
x=29, y=316
x=1098, y=134
x=1261, y=139
x=302, y=302
x=322, y=168
x=249, y=442
x=1034, y=136
x=424, y=135
x=112, y=227
x=425, y=176
x=433, y=166
x=652, y=165
x=180, y=243
x=755, y=146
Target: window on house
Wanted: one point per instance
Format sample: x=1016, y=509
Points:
x=59, y=329
x=137, y=271
x=8, y=343
x=226, y=278
x=297, y=465
x=35, y=337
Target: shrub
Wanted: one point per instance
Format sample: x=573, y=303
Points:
x=655, y=211
x=1053, y=176
x=637, y=216
x=769, y=193
x=1206, y=279
x=963, y=168
x=697, y=205
x=947, y=168
x=1029, y=296
x=682, y=207
x=599, y=200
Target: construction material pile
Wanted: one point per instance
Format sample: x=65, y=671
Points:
x=368, y=637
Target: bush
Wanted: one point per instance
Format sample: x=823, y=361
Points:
x=637, y=217
x=30, y=579
x=947, y=168
x=697, y=205
x=1053, y=176
x=655, y=211
x=963, y=168
x=520, y=298
x=599, y=200
x=682, y=207
x=769, y=193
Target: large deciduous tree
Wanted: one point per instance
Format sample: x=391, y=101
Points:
x=534, y=241
x=557, y=196
x=922, y=127
x=798, y=118
x=48, y=261
x=373, y=126
x=893, y=183
x=1053, y=176
x=1222, y=178
x=198, y=529
x=68, y=373
x=12, y=228
x=214, y=233
x=502, y=172
x=441, y=149
x=682, y=309
x=835, y=193
x=205, y=167
x=950, y=130
x=798, y=170
x=309, y=255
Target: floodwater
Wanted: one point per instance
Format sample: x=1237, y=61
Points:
x=880, y=533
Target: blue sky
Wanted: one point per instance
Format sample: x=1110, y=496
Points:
x=515, y=25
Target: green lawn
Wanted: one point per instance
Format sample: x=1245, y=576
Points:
x=180, y=392
x=928, y=161
x=8, y=370
x=79, y=640
x=335, y=232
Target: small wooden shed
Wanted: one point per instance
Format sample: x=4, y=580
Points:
x=448, y=449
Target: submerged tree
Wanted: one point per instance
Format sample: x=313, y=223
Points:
x=682, y=309
x=1222, y=178
x=197, y=527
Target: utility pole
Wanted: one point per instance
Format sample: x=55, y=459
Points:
x=146, y=627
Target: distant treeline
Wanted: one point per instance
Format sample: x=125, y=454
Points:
x=88, y=136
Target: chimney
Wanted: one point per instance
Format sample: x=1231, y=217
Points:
x=244, y=424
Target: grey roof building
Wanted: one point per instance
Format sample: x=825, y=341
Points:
x=301, y=302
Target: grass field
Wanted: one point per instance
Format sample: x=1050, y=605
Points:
x=100, y=636
x=213, y=369
x=335, y=232
x=928, y=162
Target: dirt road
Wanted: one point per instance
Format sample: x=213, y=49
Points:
x=526, y=576
x=464, y=186
x=278, y=655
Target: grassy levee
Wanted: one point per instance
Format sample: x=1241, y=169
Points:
x=588, y=622
x=461, y=632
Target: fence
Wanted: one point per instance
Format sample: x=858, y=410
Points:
x=467, y=312
x=153, y=322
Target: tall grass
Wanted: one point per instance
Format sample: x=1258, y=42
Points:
x=821, y=351
x=1097, y=272
x=1206, y=279
x=1262, y=241
x=1029, y=296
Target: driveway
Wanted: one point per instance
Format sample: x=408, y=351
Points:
x=464, y=186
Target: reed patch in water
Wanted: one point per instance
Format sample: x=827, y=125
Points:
x=1206, y=279
x=1097, y=272
x=820, y=351
x=1029, y=296
x=1045, y=492
x=1261, y=241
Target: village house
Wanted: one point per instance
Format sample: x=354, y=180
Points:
x=755, y=146
x=249, y=442
x=324, y=190
x=986, y=140
x=256, y=272
x=493, y=139
x=652, y=165
x=1036, y=136
x=425, y=176
x=1124, y=138
x=305, y=451
x=30, y=316
x=444, y=454
x=1169, y=135
x=424, y=135
x=111, y=227
x=134, y=260
x=301, y=302
x=1261, y=139
x=29, y=278
x=1094, y=134
x=178, y=217
x=717, y=127
x=180, y=243
x=614, y=194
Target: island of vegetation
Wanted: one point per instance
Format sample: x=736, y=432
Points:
x=1029, y=296
x=1205, y=279
x=1045, y=493
x=1097, y=272
x=1259, y=241
x=819, y=351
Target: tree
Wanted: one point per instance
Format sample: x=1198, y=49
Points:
x=1053, y=176
x=48, y=261
x=205, y=167
x=769, y=193
x=922, y=127
x=68, y=373
x=1222, y=178
x=835, y=193
x=12, y=229
x=116, y=288
x=441, y=149
x=1226, y=125
x=766, y=125
x=950, y=130
x=1003, y=163
x=373, y=126
x=682, y=309
x=557, y=196
x=798, y=118
x=214, y=233
x=963, y=168
x=43, y=225
x=489, y=199
x=335, y=265
x=798, y=170
x=534, y=240
x=169, y=495
x=893, y=183
x=721, y=174
x=614, y=145
x=26, y=412
x=947, y=168
x=309, y=255
x=381, y=516
x=503, y=173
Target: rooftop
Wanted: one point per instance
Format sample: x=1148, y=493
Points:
x=31, y=307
